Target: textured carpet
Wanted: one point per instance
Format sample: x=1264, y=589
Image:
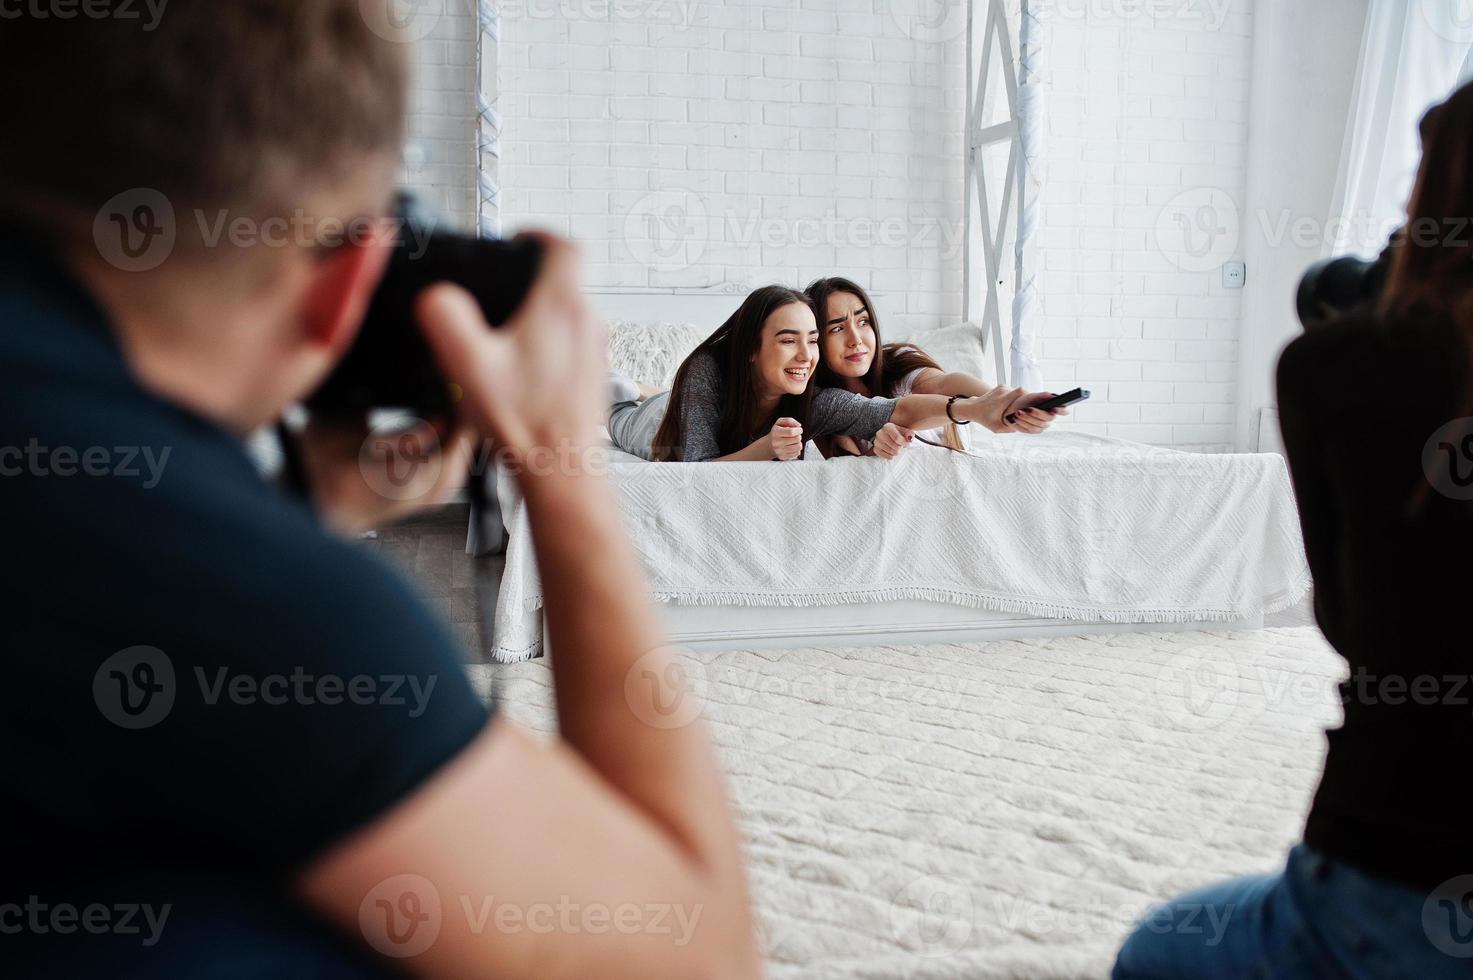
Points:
x=1004, y=809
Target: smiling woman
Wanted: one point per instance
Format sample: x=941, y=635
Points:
x=753, y=371
x=743, y=393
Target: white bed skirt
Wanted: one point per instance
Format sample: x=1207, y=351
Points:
x=1022, y=536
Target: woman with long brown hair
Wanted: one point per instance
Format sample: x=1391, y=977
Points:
x=855, y=358
x=744, y=394
x=1374, y=408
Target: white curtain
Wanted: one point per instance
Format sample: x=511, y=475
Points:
x=1413, y=54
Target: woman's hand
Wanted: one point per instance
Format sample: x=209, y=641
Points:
x=1032, y=421
x=786, y=439
x=987, y=410
x=891, y=439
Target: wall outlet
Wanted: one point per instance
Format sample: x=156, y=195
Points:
x=1234, y=274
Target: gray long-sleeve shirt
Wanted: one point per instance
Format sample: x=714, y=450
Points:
x=834, y=412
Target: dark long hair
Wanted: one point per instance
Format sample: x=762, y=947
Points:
x=732, y=346
x=891, y=363
x=1431, y=278
x=1432, y=267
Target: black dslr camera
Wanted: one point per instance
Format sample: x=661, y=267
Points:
x=389, y=365
x=1337, y=286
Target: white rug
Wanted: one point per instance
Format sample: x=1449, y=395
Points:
x=1004, y=809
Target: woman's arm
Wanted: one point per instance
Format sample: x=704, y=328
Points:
x=929, y=411
x=784, y=441
x=932, y=381
x=758, y=452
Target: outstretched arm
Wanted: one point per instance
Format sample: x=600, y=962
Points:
x=933, y=381
x=923, y=411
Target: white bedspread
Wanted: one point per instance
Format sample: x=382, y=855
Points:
x=1061, y=525
x=1006, y=809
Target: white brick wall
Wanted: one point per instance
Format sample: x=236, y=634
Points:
x=441, y=164
x=693, y=145
x=1147, y=128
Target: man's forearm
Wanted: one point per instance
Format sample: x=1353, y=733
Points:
x=620, y=692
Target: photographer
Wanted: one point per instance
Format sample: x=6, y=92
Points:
x=1375, y=411
x=214, y=762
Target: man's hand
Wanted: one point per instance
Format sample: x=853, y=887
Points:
x=362, y=479
x=537, y=382
x=786, y=438
x=891, y=439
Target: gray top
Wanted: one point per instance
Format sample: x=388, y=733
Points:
x=835, y=412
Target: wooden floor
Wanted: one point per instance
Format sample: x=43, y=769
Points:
x=431, y=549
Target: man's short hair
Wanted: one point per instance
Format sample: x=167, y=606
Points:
x=247, y=105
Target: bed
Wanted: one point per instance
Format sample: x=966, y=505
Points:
x=1056, y=534
x=1005, y=809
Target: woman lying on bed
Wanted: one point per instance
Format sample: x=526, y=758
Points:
x=855, y=359
x=744, y=394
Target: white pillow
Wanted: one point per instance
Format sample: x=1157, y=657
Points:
x=651, y=352
x=957, y=347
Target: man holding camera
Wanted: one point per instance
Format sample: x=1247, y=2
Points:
x=215, y=763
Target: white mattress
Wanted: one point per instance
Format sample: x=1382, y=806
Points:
x=1062, y=525
x=1001, y=810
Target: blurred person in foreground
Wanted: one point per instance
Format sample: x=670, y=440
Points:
x=1375, y=409
x=238, y=745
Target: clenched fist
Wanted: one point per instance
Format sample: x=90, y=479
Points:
x=786, y=438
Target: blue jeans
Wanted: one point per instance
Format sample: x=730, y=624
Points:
x=1319, y=919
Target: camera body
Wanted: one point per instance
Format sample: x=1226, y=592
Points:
x=1336, y=286
x=389, y=365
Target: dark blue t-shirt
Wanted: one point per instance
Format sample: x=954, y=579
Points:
x=204, y=689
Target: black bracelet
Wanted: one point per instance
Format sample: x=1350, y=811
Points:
x=952, y=401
